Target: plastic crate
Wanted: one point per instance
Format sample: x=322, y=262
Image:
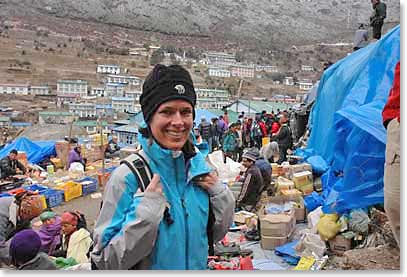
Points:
x=88, y=188
x=53, y=197
x=16, y=191
x=44, y=201
x=71, y=190
x=35, y=187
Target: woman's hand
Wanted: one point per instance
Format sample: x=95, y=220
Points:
x=208, y=180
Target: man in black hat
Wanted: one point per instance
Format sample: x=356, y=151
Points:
x=253, y=182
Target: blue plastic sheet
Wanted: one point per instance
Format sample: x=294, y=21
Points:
x=318, y=164
x=313, y=201
x=287, y=251
x=346, y=122
x=36, y=151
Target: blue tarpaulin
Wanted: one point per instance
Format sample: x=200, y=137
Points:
x=36, y=151
x=346, y=120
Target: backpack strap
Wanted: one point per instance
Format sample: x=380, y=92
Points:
x=140, y=168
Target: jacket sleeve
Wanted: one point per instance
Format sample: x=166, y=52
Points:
x=246, y=187
x=6, y=168
x=21, y=167
x=223, y=207
x=127, y=226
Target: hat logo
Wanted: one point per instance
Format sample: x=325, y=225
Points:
x=180, y=89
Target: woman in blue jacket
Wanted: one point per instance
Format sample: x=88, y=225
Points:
x=131, y=231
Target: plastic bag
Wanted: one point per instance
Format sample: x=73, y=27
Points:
x=328, y=226
x=310, y=244
x=359, y=221
x=225, y=171
x=76, y=167
x=313, y=219
x=313, y=201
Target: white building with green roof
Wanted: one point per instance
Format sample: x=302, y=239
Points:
x=255, y=106
x=5, y=121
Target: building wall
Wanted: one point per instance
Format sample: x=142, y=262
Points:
x=83, y=110
x=39, y=90
x=14, y=89
x=216, y=72
x=242, y=71
x=110, y=69
x=78, y=88
x=123, y=105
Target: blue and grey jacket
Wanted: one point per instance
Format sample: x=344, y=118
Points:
x=131, y=229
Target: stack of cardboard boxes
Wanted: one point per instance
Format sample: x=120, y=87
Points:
x=275, y=229
x=292, y=182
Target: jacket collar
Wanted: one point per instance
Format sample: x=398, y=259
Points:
x=195, y=166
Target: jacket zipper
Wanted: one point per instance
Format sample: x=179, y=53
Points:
x=185, y=218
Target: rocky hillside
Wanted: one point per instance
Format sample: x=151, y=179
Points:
x=264, y=22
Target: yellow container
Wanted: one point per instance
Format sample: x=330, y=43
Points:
x=71, y=190
x=43, y=202
x=265, y=140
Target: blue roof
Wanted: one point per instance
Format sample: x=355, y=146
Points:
x=122, y=99
x=21, y=124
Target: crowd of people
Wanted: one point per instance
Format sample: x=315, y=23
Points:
x=270, y=133
x=177, y=205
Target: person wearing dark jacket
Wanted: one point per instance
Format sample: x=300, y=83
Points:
x=112, y=149
x=391, y=121
x=25, y=252
x=205, y=131
x=215, y=133
x=265, y=170
x=252, y=183
x=377, y=18
x=9, y=165
x=283, y=138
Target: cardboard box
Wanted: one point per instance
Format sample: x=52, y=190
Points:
x=293, y=193
x=277, y=225
x=307, y=189
x=284, y=183
x=302, y=178
x=276, y=170
x=299, y=210
x=270, y=243
x=340, y=244
x=243, y=217
x=296, y=168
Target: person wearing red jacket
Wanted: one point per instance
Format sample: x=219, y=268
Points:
x=391, y=121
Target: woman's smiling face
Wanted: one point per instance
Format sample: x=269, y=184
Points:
x=171, y=124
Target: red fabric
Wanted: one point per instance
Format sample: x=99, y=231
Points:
x=392, y=108
x=275, y=127
x=246, y=263
x=263, y=128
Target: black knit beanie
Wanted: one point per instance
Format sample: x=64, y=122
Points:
x=166, y=83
